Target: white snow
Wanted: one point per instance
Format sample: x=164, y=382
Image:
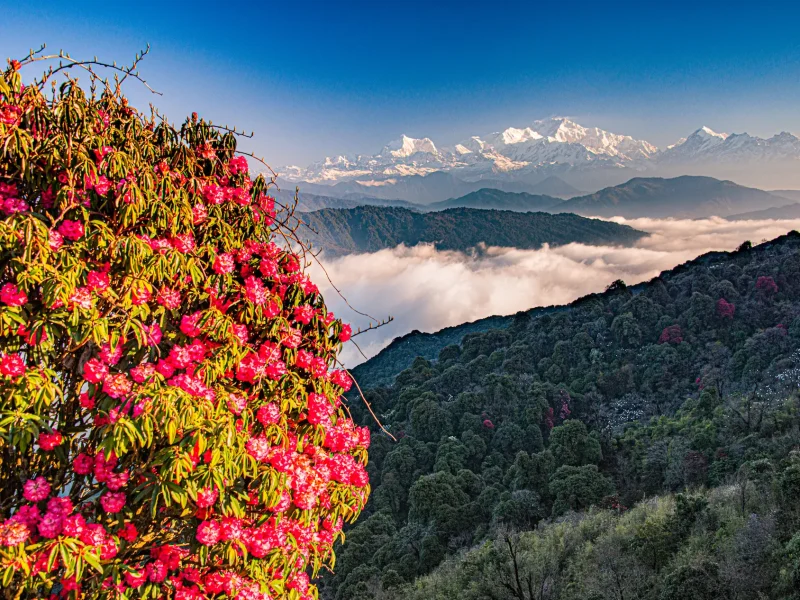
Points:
x=544, y=143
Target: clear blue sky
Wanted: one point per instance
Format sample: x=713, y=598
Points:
x=313, y=78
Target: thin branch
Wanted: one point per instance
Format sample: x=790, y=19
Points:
x=373, y=326
x=234, y=131
x=364, y=400
x=87, y=66
x=360, y=351
x=261, y=160
x=338, y=291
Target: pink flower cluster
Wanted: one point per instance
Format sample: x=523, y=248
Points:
x=11, y=295
x=10, y=203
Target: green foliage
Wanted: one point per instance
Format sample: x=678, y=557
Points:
x=566, y=410
x=578, y=488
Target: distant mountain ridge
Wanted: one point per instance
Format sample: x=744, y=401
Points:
x=582, y=156
x=686, y=196
x=499, y=200
x=790, y=211
x=372, y=228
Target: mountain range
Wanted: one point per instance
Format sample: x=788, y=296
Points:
x=680, y=197
x=517, y=159
x=687, y=196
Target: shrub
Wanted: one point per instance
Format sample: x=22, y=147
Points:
x=170, y=417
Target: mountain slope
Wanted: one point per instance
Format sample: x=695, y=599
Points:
x=551, y=415
x=371, y=228
x=492, y=199
x=686, y=196
x=790, y=194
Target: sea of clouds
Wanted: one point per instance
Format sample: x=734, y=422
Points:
x=427, y=289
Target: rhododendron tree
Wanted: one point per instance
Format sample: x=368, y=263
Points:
x=767, y=285
x=725, y=309
x=672, y=334
x=170, y=419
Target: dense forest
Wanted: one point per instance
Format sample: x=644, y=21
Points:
x=640, y=443
x=372, y=228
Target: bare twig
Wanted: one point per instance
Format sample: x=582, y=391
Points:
x=363, y=399
x=67, y=62
x=373, y=326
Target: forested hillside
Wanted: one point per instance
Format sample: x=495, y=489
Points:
x=638, y=444
x=372, y=228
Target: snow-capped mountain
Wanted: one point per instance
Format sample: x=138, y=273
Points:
x=548, y=142
x=559, y=146
x=707, y=145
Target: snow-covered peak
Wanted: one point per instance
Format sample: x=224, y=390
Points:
x=512, y=135
x=707, y=132
x=408, y=146
x=554, y=143
x=561, y=130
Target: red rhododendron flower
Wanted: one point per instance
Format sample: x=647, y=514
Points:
x=109, y=356
x=258, y=447
x=83, y=464
x=128, y=533
x=213, y=194
x=112, y=502
x=55, y=240
x=224, y=263
x=269, y=414
x=81, y=298
x=342, y=379
x=189, y=324
x=153, y=334
x=237, y=165
x=207, y=497
x=49, y=441
x=140, y=295
x=94, y=371
x=36, y=490
x=72, y=230
x=12, y=296
x=12, y=365
x=208, y=533
x=199, y=214
x=117, y=386
x=169, y=298
x=98, y=281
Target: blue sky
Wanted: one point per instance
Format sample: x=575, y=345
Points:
x=313, y=78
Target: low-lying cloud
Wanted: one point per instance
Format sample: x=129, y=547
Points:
x=427, y=289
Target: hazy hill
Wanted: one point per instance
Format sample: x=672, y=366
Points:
x=686, y=196
x=372, y=228
x=308, y=202
x=790, y=194
x=496, y=199
x=790, y=211
x=556, y=187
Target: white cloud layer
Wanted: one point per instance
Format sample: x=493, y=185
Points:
x=426, y=289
